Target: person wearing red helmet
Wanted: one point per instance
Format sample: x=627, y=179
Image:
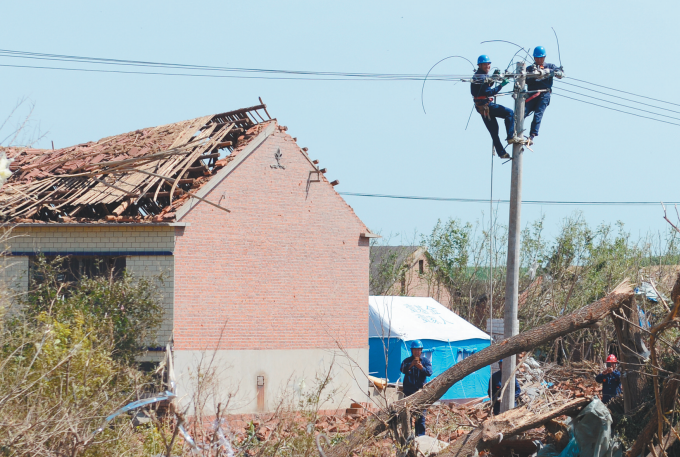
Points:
x=610, y=379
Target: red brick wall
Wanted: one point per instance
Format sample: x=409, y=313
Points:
x=286, y=269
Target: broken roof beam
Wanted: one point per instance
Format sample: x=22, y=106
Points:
x=239, y=111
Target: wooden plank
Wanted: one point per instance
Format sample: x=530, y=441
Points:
x=190, y=193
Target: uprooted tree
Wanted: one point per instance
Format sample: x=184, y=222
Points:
x=401, y=410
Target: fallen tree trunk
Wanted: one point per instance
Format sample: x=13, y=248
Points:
x=525, y=341
x=507, y=424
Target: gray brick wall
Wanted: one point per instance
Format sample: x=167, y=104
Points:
x=153, y=266
x=93, y=239
x=13, y=277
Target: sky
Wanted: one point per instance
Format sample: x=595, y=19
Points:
x=373, y=136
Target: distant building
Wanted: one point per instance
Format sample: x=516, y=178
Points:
x=405, y=271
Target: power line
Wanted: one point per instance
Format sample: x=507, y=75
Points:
x=619, y=104
x=275, y=74
x=486, y=201
x=616, y=96
x=292, y=78
x=614, y=109
x=136, y=63
x=624, y=92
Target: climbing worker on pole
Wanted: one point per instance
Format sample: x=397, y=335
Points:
x=416, y=369
x=537, y=102
x=610, y=379
x=483, y=92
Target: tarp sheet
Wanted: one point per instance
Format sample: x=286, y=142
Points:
x=591, y=435
x=447, y=339
x=385, y=356
x=417, y=318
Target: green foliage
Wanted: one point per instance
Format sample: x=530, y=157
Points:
x=448, y=248
x=458, y=257
x=66, y=362
x=126, y=310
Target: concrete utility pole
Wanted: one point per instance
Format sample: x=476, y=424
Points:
x=511, y=327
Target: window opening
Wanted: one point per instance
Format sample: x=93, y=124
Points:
x=74, y=267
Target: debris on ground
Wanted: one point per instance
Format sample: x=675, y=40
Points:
x=545, y=387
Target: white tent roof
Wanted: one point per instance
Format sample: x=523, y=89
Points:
x=417, y=318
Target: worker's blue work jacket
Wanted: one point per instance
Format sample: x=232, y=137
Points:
x=611, y=384
x=496, y=385
x=482, y=89
x=545, y=83
x=414, y=378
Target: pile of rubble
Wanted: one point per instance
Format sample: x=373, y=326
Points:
x=545, y=386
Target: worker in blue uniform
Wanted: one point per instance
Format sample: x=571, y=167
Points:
x=416, y=369
x=483, y=92
x=540, y=77
x=495, y=387
x=610, y=379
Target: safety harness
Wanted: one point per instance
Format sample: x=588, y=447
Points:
x=537, y=94
x=482, y=105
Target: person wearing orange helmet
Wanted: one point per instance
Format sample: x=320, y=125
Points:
x=610, y=379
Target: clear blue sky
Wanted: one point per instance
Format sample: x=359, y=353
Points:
x=373, y=136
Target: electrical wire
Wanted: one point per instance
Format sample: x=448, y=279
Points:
x=617, y=96
x=528, y=202
x=559, y=54
x=623, y=91
x=147, y=64
x=276, y=74
x=291, y=78
x=618, y=104
x=422, y=90
x=614, y=109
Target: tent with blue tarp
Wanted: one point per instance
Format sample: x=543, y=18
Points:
x=447, y=339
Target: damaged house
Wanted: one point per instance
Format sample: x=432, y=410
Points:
x=266, y=265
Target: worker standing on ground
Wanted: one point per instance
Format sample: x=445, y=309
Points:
x=483, y=90
x=416, y=369
x=495, y=388
x=610, y=379
x=537, y=102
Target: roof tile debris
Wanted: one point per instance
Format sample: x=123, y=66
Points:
x=140, y=176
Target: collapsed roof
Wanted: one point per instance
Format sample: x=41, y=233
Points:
x=140, y=176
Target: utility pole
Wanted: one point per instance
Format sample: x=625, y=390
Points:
x=511, y=324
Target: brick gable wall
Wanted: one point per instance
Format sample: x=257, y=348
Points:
x=286, y=269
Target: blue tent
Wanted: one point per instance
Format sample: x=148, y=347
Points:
x=447, y=338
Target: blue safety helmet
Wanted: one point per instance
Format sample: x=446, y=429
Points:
x=539, y=51
x=483, y=59
x=500, y=361
x=417, y=344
